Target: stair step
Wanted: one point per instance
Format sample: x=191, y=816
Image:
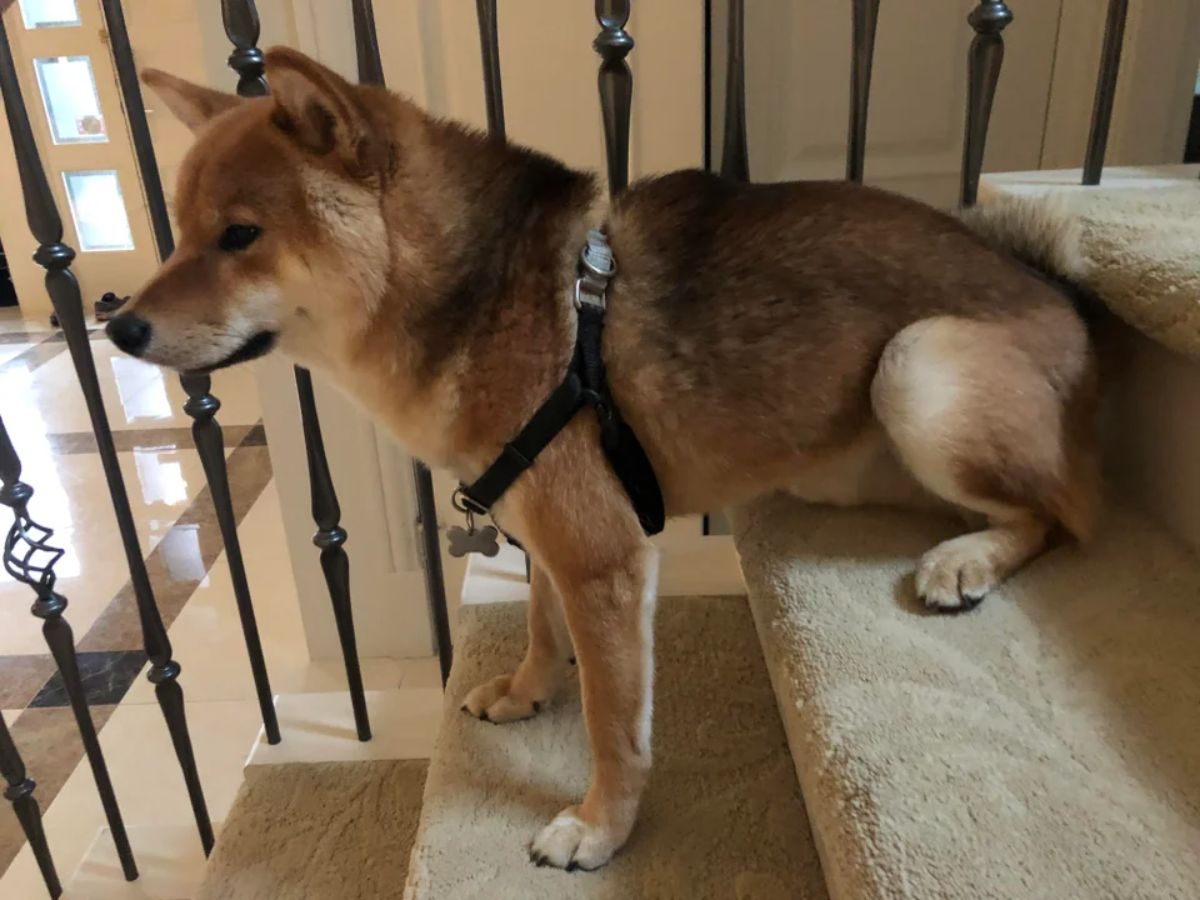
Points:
x=722, y=816
x=1033, y=747
x=689, y=566
x=318, y=831
x=170, y=861
x=319, y=727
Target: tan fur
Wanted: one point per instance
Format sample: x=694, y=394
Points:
x=1039, y=230
x=844, y=343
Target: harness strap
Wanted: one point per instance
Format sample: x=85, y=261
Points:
x=621, y=446
x=519, y=454
x=585, y=383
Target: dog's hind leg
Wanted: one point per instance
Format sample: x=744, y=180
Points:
x=991, y=416
x=508, y=698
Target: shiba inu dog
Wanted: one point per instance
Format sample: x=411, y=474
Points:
x=840, y=342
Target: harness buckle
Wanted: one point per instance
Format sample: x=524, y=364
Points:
x=587, y=294
x=596, y=269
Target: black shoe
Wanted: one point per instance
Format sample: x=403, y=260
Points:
x=108, y=305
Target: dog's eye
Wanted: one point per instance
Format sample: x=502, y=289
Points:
x=238, y=237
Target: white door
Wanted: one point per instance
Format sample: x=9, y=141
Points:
x=60, y=48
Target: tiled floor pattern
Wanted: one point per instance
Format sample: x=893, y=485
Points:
x=40, y=404
x=43, y=410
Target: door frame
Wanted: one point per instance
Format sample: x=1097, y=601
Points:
x=97, y=271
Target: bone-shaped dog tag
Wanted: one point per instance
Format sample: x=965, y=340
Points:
x=473, y=540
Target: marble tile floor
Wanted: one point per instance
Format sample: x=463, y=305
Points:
x=43, y=409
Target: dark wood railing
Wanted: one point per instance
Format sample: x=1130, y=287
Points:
x=28, y=553
x=25, y=806
x=735, y=155
x=55, y=257
x=1106, y=90
x=866, y=16
x=29, y=557
x=489, y=48
x=201, y=404
x=242, y=28
x=615, y=81
x=986, y=55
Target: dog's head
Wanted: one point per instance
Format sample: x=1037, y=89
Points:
x=281, y=236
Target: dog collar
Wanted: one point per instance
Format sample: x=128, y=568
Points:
x=585, y=384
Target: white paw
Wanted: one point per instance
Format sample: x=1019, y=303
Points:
x=494, y=701
x=956, y=575
x=570, y=843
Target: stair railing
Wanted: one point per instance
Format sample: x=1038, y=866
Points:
x=28, y=552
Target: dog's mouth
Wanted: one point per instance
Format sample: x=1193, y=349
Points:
x=258, y=345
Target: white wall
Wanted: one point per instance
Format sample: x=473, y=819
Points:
x=1152, y=431
x=798, y=71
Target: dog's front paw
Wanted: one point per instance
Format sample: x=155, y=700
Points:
x=956, y=575
x=497, y=701
x=571, y=843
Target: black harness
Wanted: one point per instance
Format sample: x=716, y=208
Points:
x=585, y=384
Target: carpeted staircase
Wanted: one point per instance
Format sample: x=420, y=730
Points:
x=329, y=829
x=826, y=737
x=1044, y=745
x=722, y=816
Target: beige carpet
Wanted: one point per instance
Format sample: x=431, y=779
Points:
x=1046, y=745
x=722, y=817
x=1143, y=245
x=1140, y=238
x=318, y=831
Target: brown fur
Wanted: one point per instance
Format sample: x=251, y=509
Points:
x=845, y=342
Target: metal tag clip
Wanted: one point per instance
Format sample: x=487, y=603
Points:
x=470, y=539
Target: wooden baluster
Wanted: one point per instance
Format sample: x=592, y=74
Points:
x=242, y=28
x=20, y=794
x=988, y=19
x=366, y=43
x=201, y=404
x=30, y=558
x=866, y=15
x=430, y=550
x=370, y=71
x=493, y=92
x=735, y=157
x=55, y=257
x=735, y=154
x=489, y=48
x=616, y=88
x=1106, y=88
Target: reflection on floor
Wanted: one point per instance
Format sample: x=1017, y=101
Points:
x=44, y=412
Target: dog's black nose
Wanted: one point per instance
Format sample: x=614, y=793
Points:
x=130, y=332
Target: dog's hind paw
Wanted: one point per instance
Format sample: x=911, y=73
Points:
x=496, y=701
x=570, y=843
x=956, y=575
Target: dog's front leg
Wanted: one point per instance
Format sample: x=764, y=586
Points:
x=610, y=612
x=508, y=698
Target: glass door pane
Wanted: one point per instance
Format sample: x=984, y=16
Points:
x=49, y=13
x=69, y=96
x=98, y=208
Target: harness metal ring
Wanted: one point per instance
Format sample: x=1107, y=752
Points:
x=587, y=263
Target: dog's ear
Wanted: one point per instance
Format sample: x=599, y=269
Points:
x=320, y=111
x=191, y=103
